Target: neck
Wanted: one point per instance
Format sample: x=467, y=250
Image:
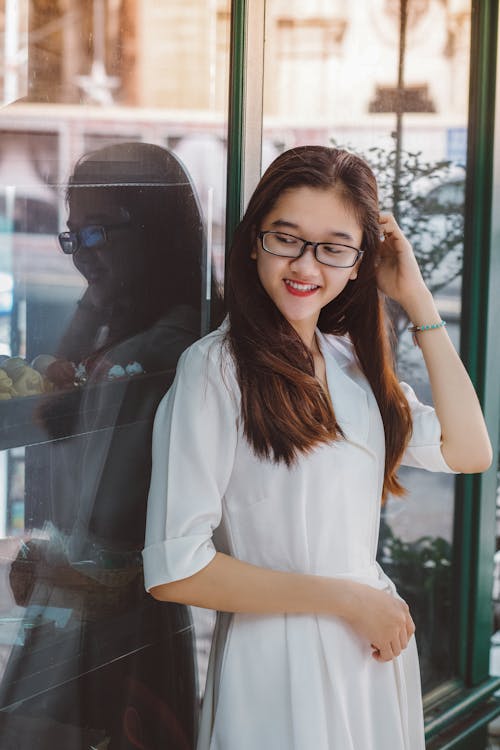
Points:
x=315, y=346
x=308, y=336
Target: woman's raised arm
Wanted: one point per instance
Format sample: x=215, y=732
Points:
x=465, y=443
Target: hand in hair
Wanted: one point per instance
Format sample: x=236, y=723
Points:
x=398, y=274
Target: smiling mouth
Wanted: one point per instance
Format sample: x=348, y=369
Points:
x=300, y=289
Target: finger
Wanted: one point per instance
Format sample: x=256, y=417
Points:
x=383, y=657
x=389, y=226
x=410, y=627
x=387, y=253
x=383, y=218
x=387, y=218
x=396, y=646
x=403, y=640
x=384, y=654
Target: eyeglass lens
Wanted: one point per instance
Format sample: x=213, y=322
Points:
x=330, y=254
x=89, y=237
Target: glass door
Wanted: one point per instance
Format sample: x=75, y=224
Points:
x=389, y=81
x=112, y=216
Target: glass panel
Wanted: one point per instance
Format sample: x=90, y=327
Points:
x=495, y=638
x=333, y=76
x=112, y=176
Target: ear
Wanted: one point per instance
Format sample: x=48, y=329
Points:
x=354, y=273
x=253, y=252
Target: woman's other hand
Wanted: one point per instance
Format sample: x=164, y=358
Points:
x=381, y=618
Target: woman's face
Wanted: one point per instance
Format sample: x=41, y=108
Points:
x=301, y=287
x=112, y=268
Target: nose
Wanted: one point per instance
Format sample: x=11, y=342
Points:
x=307, y=259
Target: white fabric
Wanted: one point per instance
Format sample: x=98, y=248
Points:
x=292, y=682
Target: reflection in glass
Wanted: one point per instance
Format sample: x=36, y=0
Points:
x=90, y=342
x=95, y=660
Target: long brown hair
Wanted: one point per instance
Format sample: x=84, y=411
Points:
x=285, y=410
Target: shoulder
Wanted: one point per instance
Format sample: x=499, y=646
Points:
x=160, y=346
x=209, y=362
x=209, y=352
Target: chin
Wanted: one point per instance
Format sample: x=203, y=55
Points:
x=101, y=297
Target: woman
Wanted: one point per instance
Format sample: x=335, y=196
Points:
x=283, y=431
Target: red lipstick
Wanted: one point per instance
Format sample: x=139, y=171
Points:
x=306, y=291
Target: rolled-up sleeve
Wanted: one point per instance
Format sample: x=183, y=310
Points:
x=194, y=441
x=424, y=449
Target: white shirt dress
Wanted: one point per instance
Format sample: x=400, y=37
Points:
x=284, y=682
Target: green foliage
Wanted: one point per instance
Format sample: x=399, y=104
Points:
x=429, y=210
x=429, y=558
x=422, y=573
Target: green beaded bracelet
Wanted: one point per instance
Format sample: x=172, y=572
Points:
x=418, y=329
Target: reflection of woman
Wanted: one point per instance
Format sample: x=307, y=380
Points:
x=283, y=430
x=140, y=311
x=149, y=263
x=119, y=667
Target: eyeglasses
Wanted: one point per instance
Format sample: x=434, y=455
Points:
x=329, y=253
x=90, y=237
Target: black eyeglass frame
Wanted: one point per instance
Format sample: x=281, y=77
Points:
x=305, y=244
x=76, y=236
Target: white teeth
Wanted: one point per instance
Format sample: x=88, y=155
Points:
x=301, y=287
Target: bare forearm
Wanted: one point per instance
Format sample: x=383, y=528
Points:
x=230, y=585
x=466, y=446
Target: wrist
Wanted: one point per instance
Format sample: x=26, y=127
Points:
x=421, y=309
x=345, y=598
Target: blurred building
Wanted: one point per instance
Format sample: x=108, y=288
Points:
x=96, y=51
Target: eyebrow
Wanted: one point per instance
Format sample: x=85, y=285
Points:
x=290, y=225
